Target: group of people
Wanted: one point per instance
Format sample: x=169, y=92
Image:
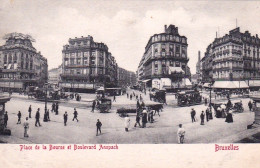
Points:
x=46, y=118
x=55, y=108
x=208, y=115
x=135, y=96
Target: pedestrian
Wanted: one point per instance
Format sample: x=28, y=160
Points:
x=250, y=105
x=202, y=117
x=93, y=106
x=206, y=101
x=127, y=123
x=137, y=104
x=19, y=117
x=98, y=124
x=193, y=113
x=137, y=120
x=48, y=115
x=180, y=134
x=207, y=114
x=53, y=107
x=131, y=96
x=144, y=118
x=30, y=111
x=65, y=117
x=57, y=109
x=127, y=95
x=37, y=117
x=26, y=128
x=150, y=115
x=114, y=99
x=5, y=119
x=75, y=115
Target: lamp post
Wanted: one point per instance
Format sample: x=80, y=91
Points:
x=210, y=88
x=46, y=87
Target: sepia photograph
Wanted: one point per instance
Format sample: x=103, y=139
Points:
x=135, y=72
x=117, y=76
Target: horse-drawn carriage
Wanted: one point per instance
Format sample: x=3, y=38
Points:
x=104, y=105
x=188, y=98
x=158, y=95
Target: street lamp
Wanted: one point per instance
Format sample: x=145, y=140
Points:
x=210, y=88
x=46, y=87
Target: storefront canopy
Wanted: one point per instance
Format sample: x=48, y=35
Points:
x=175, y=70
x=147, y=80
x=230, y=85
x=241, y=84
x=254, y=83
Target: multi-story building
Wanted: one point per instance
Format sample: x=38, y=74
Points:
x=125, y=77
x=233, y=57
x=164, y=63
x=197, y=77
x=54, y=75
x=20, y=64
x=87, y=65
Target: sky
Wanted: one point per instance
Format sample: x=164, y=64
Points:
x=125, y=26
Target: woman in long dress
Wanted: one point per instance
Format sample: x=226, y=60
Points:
x=26, y=127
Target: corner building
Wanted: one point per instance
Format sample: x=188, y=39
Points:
x=164, y=63
x=20, y=64
x=87, y=65
x=233, y=57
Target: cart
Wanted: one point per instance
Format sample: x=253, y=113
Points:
x=104, y=106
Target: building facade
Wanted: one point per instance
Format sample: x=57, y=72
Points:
x=233, y=57
x=87, y=65
x=20, y=64
x=54, y=75
x=164, y=63
x=125, y=77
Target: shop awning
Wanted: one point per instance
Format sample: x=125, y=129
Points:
x=240, y=84
x=230, y=84
x=175, y=70
x=144, y=81
x=254, y=83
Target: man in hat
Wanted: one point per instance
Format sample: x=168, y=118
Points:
x=193, y=113
x=65, y=117
x=5, y=119
x=202, y=117
x=30, y=111
x=19, y=115
x=98, y=124
x=75, y=115
x=37, y=117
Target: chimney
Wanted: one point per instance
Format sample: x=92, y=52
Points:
x=199, y=56
x=165, y=28
x=216, y=34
